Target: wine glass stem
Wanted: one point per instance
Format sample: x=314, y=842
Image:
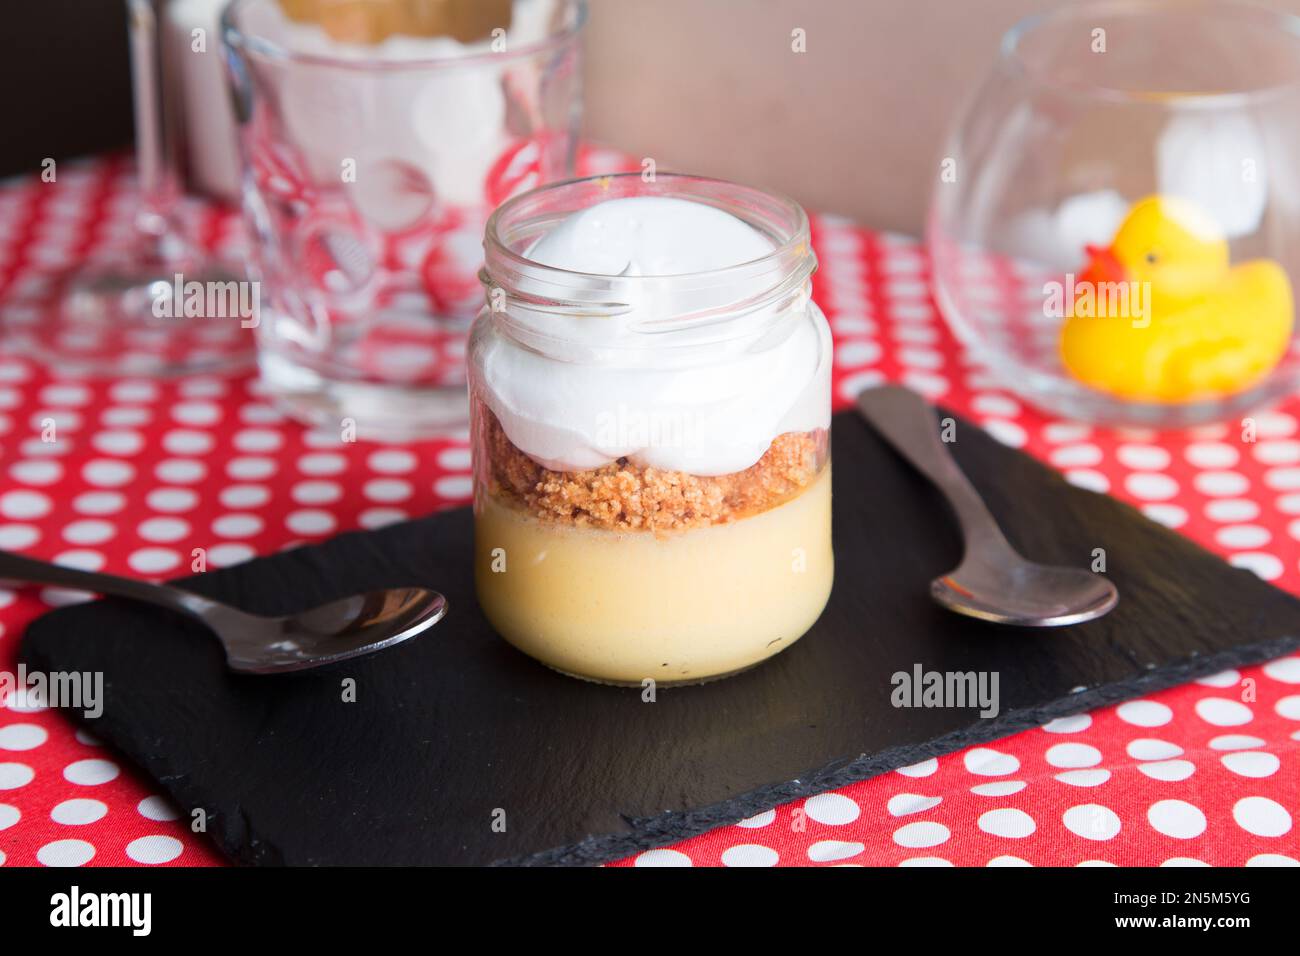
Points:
x=156, y=150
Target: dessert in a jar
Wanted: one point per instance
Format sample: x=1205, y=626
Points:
x=650, y=409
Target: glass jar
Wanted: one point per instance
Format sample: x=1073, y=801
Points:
x=651, y=465
x=1115, y=230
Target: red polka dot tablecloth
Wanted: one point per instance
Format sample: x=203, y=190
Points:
x=1207, y=773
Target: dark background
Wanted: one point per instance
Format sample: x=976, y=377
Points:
x=65, y=69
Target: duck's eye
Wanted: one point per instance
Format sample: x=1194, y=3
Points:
x=1151, y=258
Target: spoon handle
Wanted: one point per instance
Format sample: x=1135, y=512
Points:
x=21, y=568
x=905, y=420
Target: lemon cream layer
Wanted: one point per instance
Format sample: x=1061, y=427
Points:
x=621, y=607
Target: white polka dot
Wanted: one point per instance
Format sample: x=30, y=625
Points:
x=1235, y=742
x=76, y=813
x=1088, y=480
x=180, y=471
x=1148, y=748
x=1242, y=536
x=153, y=560
x=1221, y=484
x=1084, y=778
x=65, y=853
x=1008, y=433
x=99, y=502
x=1091, y=821
x=237, y=526
x=1285, y=669
x=1265, y=566
x=163, y=529
x=1223, y=712
x=65, y=394
x=197, y=413
x=1251, y=763
x=1143, y=457
x=856, y=354
x=106, y=473
x=1272, y=859
x=251, y=469
x=999, y=788
x=322, y=463
x=926, y=861
x=392, y=461
x=154, y=849
x=8, y=816
x=662, y=858
x=184, y=441
x=923, y=833
x=749, y=854
x=1211, y=455
x=1150, y=486
x=1288, y=707
x=22, y=736
x=25, y=505
x=904, y=804
x=1144, y=713
x=1007, y=822
x=1183, y=861
x=1069, y=725
x=1075, y=456
x=453, y=487
x=387, y=490
x=833, y=809
x=157, y=808
x=1171, y=516
x=923, y=769
x=1073, y=755
x=118, y=443
x=90, y=773
x=310, y=522
x=1176, y=818
x=1064, y=432
x=1261, y=816
x=89, y=531
x=15, y=775
x=373, y=518
x=1226, y=678
x=245, y=496
x=229, y=553
x=827, y=851
x=1168, y=770
x=989, y=763
x=758, y=821
x=258, y=440
x=1231, y=510
x=17, y=537
x=171, y=500
x=454, y=459
x=36, y=472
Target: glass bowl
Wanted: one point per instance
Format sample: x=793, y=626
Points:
x=1116, y=228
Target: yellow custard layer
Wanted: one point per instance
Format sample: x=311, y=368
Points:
x=621, y=607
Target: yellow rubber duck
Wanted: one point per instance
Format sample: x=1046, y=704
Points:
x=1161, y=316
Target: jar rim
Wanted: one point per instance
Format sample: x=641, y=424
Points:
x=236, y=37
x=797, y=243
x=1011, y=50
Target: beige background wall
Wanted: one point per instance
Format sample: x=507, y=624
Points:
x=854, y=125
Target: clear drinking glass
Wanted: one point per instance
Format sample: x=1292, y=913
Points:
x=1116, y=229
x=652, y=491
x=118, y=313
x=374, y=150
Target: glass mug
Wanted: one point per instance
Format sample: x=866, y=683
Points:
x=374, y=148
x=651, y=465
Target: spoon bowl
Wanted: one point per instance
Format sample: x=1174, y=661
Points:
x=325, y=634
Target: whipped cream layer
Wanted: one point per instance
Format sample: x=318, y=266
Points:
x=606, y=387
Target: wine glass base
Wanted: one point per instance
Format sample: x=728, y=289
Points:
x=125, y=318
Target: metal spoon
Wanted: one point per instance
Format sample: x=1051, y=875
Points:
x=993, y=581
x=336, y=631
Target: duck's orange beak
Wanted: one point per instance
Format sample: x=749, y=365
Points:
x=1103, y=266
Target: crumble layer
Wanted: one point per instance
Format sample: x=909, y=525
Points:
x=622, y=496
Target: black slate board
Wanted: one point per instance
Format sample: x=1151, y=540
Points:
x=450, y=727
